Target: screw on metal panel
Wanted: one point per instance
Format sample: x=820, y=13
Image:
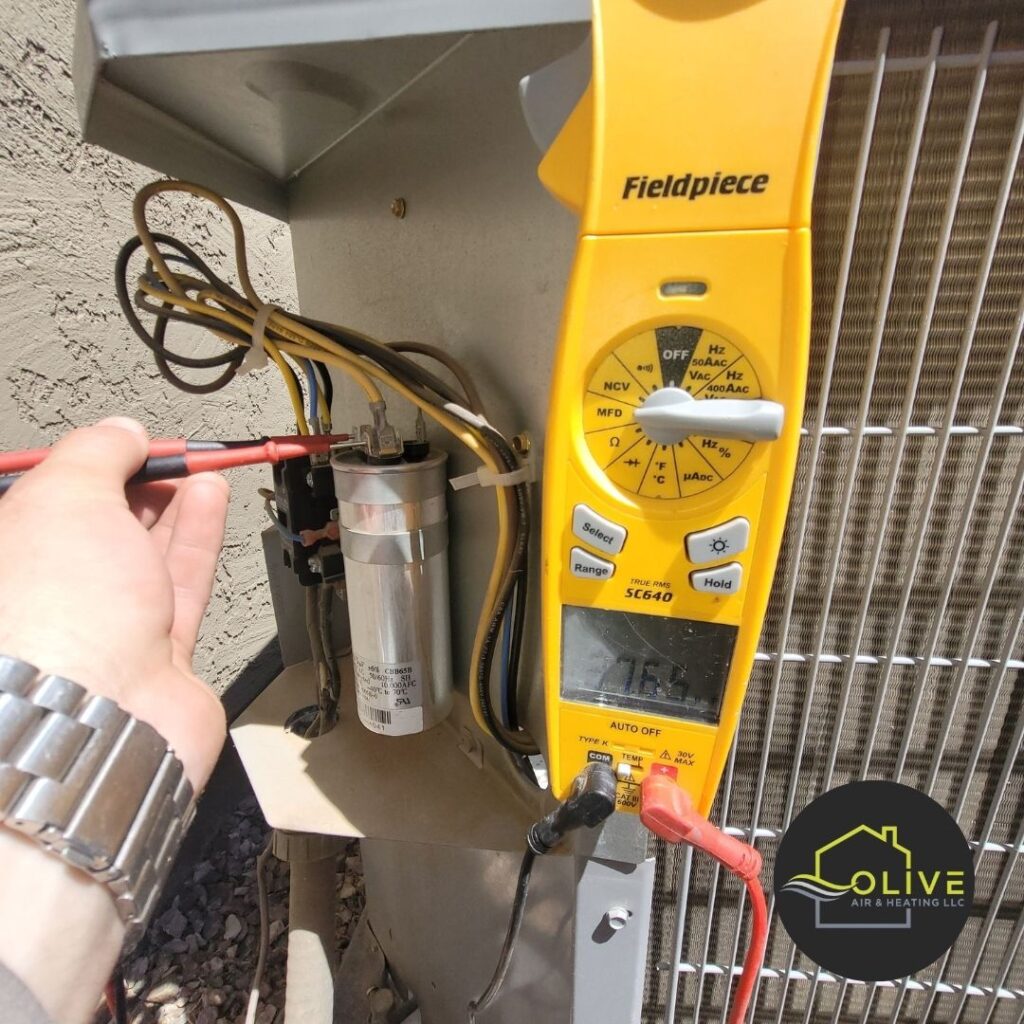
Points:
x=617, y=918
x=522, y=443
x=314, y=565
x=398, y=207
x=309, y=479
x=381, y=1001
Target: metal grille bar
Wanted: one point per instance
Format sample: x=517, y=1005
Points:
x=900, y=593
x=824, y=977
x=987, y=845
x=919, y=430
x=1011, y=664
x=1001, y=58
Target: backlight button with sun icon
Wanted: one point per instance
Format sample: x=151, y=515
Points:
x=723, y=541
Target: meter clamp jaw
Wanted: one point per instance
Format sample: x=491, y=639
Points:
x=679, y=381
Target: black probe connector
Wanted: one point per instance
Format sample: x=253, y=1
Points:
x=591, y=801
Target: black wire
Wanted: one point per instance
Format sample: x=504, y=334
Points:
x=166, y=311
x=120, y=1014
x=517, y=576
x=329, y=700
x=512, y=665
x=394, y=362
x=206, y=388
x=155, y=342
x=515, y=922
x=191, y=257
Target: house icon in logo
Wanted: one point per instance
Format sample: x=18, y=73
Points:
x=858, y=880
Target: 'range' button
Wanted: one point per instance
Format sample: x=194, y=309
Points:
x=597, y=531
x=589, y=567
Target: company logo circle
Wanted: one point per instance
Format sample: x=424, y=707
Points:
x=874, y=880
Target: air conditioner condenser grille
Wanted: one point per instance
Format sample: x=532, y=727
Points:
x=893, y=644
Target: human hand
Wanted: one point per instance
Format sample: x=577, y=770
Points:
x=109, y=590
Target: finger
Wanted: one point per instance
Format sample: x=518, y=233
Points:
x=149, y=502
x=93, y=460
x=192, y=553
x=163, y=529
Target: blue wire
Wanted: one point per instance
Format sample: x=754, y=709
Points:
x=292, y=538
x=287, y=534
x=312, y=387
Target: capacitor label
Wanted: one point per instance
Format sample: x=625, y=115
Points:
x=389, y=696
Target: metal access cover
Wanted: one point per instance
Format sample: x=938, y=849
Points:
x=245, y=96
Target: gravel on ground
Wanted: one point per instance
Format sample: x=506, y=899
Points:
x=196, y=961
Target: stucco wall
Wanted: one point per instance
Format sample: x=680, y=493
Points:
x=66, y=355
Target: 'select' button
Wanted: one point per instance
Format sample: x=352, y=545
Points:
x=597, y=531
x=589, y=567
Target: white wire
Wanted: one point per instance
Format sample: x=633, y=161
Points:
x=261, y=959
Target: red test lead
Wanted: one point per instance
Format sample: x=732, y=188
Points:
x=173, y=458
x=669, y=813
x=21, y=461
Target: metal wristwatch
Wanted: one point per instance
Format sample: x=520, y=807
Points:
x=92, y=784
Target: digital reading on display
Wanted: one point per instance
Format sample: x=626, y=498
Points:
x=675, y=667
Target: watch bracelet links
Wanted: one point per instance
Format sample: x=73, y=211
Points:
x=90, y=783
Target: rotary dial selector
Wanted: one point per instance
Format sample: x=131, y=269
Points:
x=670, y=415
x=650, y=445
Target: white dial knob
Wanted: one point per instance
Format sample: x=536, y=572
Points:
x=669, y=415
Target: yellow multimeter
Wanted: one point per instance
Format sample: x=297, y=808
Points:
x=679, y=380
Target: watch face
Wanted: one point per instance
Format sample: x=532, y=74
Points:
x=675, y=667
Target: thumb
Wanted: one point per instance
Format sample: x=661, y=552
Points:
x=93, y=459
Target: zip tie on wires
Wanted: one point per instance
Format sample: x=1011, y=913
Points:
x=474, y=419
x=256, y=357
x=484, y=477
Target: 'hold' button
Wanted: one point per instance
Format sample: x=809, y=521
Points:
x=589, y=567
x=725, y=579
x=597, y=531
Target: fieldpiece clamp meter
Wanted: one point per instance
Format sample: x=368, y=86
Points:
x=680, y=375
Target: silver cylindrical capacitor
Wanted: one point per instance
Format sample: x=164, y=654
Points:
x=394, y=538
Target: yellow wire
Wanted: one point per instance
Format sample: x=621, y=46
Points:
x=299, y=333
x=323, y=408
x=289, y=382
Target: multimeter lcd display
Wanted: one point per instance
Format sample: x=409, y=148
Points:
x=675, y=667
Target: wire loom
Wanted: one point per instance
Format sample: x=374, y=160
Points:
x=194, y=294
